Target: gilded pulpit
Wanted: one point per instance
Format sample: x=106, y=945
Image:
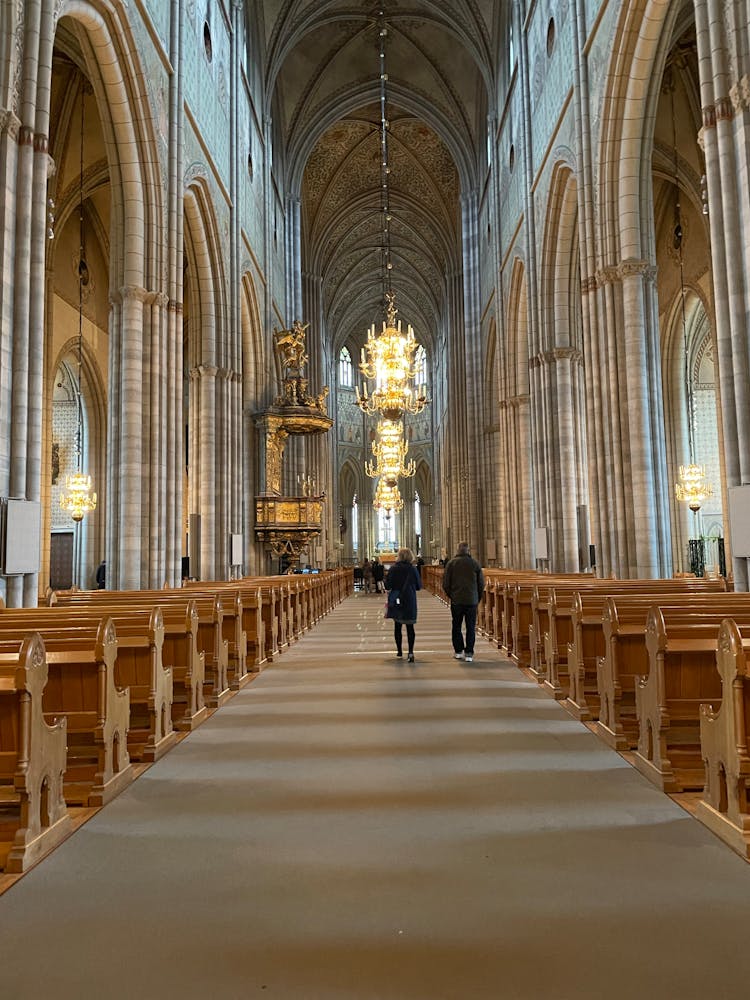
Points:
x=288, y=523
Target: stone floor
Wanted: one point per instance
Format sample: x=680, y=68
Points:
x=351, y=826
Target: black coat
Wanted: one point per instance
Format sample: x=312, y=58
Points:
x=403, y=576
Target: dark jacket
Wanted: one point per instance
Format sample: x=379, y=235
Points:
x=463, y=580
x=403, y=576
x=378, y=571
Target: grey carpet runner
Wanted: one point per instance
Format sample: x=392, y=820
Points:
x=354, y=826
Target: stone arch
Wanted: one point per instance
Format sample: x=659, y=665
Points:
x=560, y=272
x=107, y=44
x=632, y=523
x=639, y=50
x=206, y=382
x=562, y=488
x=516, y=375
x=118, y=78
x=89, y=539
x=207, y=286
x=256, y=384
x=515, y=491
x=99, y=44
x=351, y=483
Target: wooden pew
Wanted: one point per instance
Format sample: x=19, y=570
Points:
x=576, y=624
x=139, y=665
x=525, y=609
x=248, y=632
x=140, y=668
x=81, y=688
x=626, y=656
x=682, y=674
x=33, y=815
x=183, y=613
x=724, y=734
x=553, y=604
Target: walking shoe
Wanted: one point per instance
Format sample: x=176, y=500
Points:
x=458, y=656
x=399, y=654
x=469, y=659
x=410, y=658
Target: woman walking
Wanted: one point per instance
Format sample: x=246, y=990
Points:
x=403, y=582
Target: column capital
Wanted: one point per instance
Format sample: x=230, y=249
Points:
x=739, y=94
x=10, y=124
x=633, y=267
x=724, y=110
x=203, y=371
x=130, y=293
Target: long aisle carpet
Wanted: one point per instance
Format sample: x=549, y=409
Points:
x=352, y=826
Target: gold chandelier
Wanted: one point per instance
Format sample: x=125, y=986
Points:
x=693, y=487
x=387, y=498
x=390, y=450
x=388, y=359
x=79, y=498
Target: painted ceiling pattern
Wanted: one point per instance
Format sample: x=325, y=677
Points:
x=322, y=68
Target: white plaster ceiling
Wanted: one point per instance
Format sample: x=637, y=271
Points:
x=322, y=75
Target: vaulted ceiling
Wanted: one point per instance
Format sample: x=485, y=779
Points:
x=322, y=75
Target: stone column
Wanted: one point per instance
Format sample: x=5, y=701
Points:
x=125, y=438
x=203, y=461
x=723, y=36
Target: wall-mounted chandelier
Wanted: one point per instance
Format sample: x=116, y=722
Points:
x=390, y=450
x=79, y=499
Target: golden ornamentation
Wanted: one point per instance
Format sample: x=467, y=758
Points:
x=390, y=450
x=389, y=359
x=693, y=487
x=78, y=499
x=387, y=498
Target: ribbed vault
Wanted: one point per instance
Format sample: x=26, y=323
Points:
x=322, y=76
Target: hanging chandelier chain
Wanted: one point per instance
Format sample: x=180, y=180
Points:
x=79, y=433
x=79, y=499
x=385, y=202
x=692, y=488
x=678, y=236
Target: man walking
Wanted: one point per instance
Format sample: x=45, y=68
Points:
x=463, y=582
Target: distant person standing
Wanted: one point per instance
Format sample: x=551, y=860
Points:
x=463, y=582
x=101, y=575
x=378, y=575
x=367, y=575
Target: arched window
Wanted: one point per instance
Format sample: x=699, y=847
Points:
x=355, y=524
x=386, y=530
x=420, y=363
x=345, y=368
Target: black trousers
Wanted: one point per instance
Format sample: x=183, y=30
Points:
x=461, y=613
x=409, y=636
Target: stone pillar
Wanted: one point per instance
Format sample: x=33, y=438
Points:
x=203, y=461
x=470, y=372
x=723, y=36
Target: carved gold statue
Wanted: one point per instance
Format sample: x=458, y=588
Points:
x=291, y=347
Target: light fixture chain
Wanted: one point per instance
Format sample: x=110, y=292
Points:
x=385, y=163
x=679, y=234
